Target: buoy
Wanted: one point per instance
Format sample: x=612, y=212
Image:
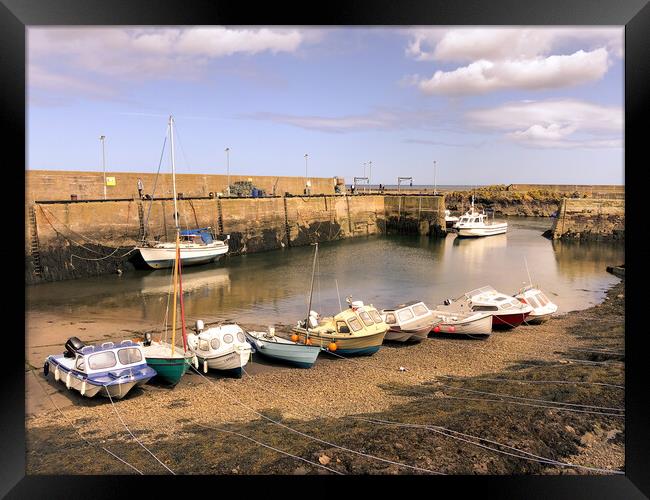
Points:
x=205, y=366
x=67, y=380
x=294, y=338
x=452, y=328
x=46, y=368
x=308, y=342
x=195, y=361
x=83, y=388
x=57, y=374
x=332, y=346
x=436, y=329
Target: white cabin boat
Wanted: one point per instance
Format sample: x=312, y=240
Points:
x=222, y=347
x=475, y=224
x=450, y=220
x=108, y=369
x=506, y=311
x=411, y=321
x=543, y=308
x=270, y=345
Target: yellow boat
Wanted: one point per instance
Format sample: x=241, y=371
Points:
x=356, y=330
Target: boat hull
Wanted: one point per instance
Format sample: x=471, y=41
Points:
x=301, y=355
x=89, y=388
x=346, y=344
x=538, y=319
x=508, y=320
x=163, y=258
x=169, y=370
x=475, y=232
x=411, y=335
x=232, y=361
x=479, y=326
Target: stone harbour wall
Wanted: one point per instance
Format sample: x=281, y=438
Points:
x=589, y=218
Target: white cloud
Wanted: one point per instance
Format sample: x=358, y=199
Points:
x=538, y=73
x=514, y=58
x=379, y=119
x=563, y=123
x=85, y=55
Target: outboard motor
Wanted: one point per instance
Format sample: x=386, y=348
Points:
x=447, y=302
x=147, y=339
x=199, y=326
x=72, y=347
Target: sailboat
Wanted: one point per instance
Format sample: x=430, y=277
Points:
x=197, y=246
x=166, y=358
x=358, y=330
x=530, y=294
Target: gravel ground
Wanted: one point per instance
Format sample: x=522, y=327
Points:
x=322, y=400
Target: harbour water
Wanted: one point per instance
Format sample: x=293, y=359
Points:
x=272, y=288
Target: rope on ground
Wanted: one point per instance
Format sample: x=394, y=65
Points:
x=308, y=436
x=449, y=433
x=272, y=448
x=132, y=435
x=77, y=430
x=526, y=381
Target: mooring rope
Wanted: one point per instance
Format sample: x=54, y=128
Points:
x=444, y=431
x=77, y=430
x=526, y=381
x=271, y=448
x=308, y=436
x=132, y=435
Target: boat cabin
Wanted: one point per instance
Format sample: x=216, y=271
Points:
x=105, y=357
x=488, y=299
x=407, y=314
x=201, y=236
x=356, y=319
x=534, y=297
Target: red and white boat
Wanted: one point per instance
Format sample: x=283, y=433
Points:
x=506, y=311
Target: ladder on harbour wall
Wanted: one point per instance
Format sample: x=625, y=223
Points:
x=34, y=246
x=141, y=220
x=219, y=216
x=286, y=222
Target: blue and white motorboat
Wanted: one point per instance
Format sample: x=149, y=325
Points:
x=271, y=346
x=107, y=369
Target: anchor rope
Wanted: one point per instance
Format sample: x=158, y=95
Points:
x=367, y=455
x=132, y=435
x=77, y=430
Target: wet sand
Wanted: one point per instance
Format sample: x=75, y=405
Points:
x=166, y=419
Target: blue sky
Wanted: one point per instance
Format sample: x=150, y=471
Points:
x=489, y=105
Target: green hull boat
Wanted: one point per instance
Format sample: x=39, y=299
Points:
x=169, y=368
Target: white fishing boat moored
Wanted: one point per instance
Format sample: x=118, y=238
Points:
x=411, y=321
x=452, y=320
x=543, y=308
x=108, y=369
x=475, y=224
x=450, y=220
x=270, y=345
x=221, y=347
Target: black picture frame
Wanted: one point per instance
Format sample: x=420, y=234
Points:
x=17, y=15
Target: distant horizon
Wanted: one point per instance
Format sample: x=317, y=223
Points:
x=488, y=105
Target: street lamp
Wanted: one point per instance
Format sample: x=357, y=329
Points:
x=434, y=177
x=307, y=190
x=101, y=138
x=370, y=173
x=227, y=150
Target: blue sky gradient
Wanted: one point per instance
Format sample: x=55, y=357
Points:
x=344, y=96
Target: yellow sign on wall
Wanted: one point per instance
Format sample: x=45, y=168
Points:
x=110, y=181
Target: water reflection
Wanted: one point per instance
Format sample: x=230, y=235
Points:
x=272, y=287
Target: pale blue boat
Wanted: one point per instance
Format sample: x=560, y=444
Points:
x=278, y=348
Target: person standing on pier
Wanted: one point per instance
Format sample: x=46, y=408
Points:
x=140, y=187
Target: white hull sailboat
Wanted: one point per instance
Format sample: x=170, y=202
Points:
x=196, y=245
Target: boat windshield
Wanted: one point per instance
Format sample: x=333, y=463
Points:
x=542, y=298
x=405, y=315
x=375, y=315
x=355, y=324
x=481, y=290
x=130, y=355
x=420, y=309
x=102, y=360
x=533, y=302
x=366, y=318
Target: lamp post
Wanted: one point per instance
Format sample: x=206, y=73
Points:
x=101, y=138
x=227, y=150
x=434, y=177
x=307, y=190
x=370, y=173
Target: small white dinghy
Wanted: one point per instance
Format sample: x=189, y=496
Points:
x=222, y=347
x=278, y=348
x=108, y=369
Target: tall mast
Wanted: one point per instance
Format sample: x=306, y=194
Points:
x=311, y=288
x=171, y=137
